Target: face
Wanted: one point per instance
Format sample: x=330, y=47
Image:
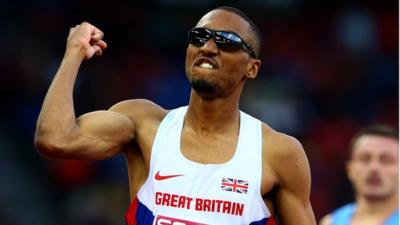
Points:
x=373, y=168
x=215, y=73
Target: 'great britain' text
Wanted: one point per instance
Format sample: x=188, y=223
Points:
x=199, y=204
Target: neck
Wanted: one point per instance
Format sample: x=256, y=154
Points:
x=214, y=115
x=377, y=207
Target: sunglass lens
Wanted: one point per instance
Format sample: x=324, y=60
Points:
x=199, y=36
x=228, y=42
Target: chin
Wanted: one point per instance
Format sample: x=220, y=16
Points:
x=377, y=194
x=206, y=89
x=203, y=86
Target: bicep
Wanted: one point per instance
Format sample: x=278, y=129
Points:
x=292, y=210
x=100, y=135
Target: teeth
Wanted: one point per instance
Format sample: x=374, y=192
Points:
x=206, y=65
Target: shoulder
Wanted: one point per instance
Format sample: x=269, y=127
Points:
x=339, y=215
x=285, y=160
x=345, y=210
x=140, y=110
x=279, y=148
x=277, y=140
x=326, y=220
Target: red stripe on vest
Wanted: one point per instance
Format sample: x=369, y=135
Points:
x=130, y=216
x=270, y=221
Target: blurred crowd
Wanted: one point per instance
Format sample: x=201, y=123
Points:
x=328, y=68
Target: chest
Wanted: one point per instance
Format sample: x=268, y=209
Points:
x=213, y=193
x=208, y=149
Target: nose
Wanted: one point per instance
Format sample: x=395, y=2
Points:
x=210, y=47
x=375, y=165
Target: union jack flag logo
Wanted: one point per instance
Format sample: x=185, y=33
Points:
x=234, y=185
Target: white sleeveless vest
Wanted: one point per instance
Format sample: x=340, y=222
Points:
x=182, y=192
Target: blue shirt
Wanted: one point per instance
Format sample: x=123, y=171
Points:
x=343, y=215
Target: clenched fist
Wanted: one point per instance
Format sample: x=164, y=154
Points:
x=87, y=39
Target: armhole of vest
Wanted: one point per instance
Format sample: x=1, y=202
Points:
x=259, y=157
x=168, y=120
x=160, y=135
x=260, y=162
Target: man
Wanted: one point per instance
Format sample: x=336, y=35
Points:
x=207, y=163
x=373, y=170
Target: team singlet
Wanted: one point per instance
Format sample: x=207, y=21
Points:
x=344, y=214
x=183, y=192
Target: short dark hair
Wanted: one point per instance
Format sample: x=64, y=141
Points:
x=378, y=130
x=253, y=28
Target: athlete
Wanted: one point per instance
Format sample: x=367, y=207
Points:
x=373, y=169
x=205, y=163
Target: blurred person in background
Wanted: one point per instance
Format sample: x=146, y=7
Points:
x=373, y=170
x=205, y=163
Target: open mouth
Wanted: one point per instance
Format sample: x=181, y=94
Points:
x=206, y=63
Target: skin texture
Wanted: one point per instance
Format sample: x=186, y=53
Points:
x=374, y=173
x=211, y=125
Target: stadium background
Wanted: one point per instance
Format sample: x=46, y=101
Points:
x=329, y=68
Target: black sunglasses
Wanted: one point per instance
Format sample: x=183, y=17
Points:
x=225, y=40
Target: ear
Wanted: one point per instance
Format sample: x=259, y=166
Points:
x=253, y=66
x=349, y=170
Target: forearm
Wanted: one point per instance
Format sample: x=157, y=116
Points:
x=57, y=116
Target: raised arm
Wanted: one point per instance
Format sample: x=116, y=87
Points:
x=289, y=162
x=95, y=135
